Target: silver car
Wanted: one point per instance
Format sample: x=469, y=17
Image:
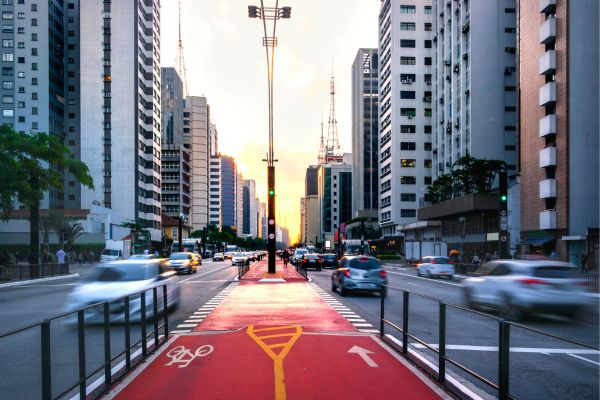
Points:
x=359, y=273
x=116, y=279
x=432, y=266
x=519, y=287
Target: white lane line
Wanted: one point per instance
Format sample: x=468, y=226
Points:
x=187, y=325
x=427, y=279
x=180, y=331
x=192, y=321
x=367, y=325
x=356, y=320
x=202, y=313
x=369, y=330
x=209, y=309
x=583, y=358
x=541, y=350
x=348, y=313
x=200, y=275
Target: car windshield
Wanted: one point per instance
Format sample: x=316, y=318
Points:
x=180, y=256
x=123, y=273
x=329, y=256
x=554, y=272
x=310, y=256
x=364, y=263
x=110, y=252
x=441, y=260
x=301, y=252
x=239, y=255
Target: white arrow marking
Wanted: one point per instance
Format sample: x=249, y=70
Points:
x=363, y=353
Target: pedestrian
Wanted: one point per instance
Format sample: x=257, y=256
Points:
x=285, y=256
x=488, y=257
x=60, y=256
x=146, y=251
x=495, y=255
x=475, y=259
x=553, y=255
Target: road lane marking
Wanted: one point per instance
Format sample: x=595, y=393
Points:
x=540, y=350
x=187, y=325
x=201, y=275
x=427, y=279
x=583, y=358
x=364, y=354
x=361, y=325
x=177, y=331
x=369, y=330
x=356, y=320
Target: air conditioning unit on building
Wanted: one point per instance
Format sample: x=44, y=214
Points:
x=428, y=82
x=409, y=116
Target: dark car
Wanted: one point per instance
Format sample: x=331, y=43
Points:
x=310, y=261
x=328, y=260
x=359, y=273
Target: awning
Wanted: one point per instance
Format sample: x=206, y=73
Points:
x=536, y=241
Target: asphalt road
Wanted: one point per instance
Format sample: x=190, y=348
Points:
x=29, y=304
x=541, y=367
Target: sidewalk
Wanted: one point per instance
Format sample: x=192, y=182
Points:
x=269, y=340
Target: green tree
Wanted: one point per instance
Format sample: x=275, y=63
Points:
x=71, y=230
x=36, y=163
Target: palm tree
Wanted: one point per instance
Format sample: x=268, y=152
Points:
x=71, y=231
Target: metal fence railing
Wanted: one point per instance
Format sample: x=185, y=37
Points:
x=123, y=304
x=20, y=272
x=302, y=271
x=243, y=268
x=588, y=281
x=504, y=328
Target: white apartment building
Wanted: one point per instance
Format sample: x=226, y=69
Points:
x=263, y=220
x=334, y=196
x=474, y=82
x=405, y=102
x=196, y=117
x=239, y=203
x=120, y=96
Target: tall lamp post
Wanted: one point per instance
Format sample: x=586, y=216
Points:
x=270, y=42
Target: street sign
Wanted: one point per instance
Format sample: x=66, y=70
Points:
x=271, y=236
x=503, y=238
x=503, y=213
x=503, y=223
x=271, y=221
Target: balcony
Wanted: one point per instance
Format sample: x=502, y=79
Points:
x=548, y=63
x=548, y=31
x=547, y=188
x=548, y=157
x=548, y=93
x=547, y=6
x=547, y=125
x=548, y=219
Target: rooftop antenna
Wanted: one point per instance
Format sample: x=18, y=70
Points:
x=179, y=61
x=321, y=156
x=332, y=149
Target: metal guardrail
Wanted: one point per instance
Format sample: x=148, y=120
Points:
x=588, y=281
x=302, y=271
x=502, y=387
x=16, y=272
x=243, y=268
x=46, y=354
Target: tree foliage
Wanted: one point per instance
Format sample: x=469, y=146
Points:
x=229, y=235
x=469, y=175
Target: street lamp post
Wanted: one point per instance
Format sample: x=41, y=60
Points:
x=270, y=42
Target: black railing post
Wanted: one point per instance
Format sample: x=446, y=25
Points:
x=81, y=345
x=442, y=345
x=404, y=322
x=503, y=359
x=155, y=314
x=143, y=323
x=46, y=362
x=381, y=314
x=107, y=357
x=127, y=335
x=166, y=311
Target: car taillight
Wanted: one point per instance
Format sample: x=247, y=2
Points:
x=432, y=262
x=347, y=273
x=319, y=260
x=533, y=281
x=383, y=274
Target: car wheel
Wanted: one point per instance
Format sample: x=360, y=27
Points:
x=343, y=290
x=190, y=271
x=419, y=272
x=333, y=287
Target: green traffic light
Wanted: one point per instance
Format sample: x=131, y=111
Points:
x=271, y=192
x=504, y=197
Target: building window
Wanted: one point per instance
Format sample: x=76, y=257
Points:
x=408, y=10
x=427, y=9
x=7, y=43
x=407, y=94
x=34, y=51
x=21, y=120
x=34, y=125
x=427, y=60
x=407, y=26
x=408, y=112
x=408, y=180
x=7, y=57
x=34, y=37
x=510, y=147
x=34, y=110
x=407, y=43
x=408, y=197
x=7, y=71
x=510, y=88
x=8, y=113
x=510, y=128
x=427, y=180
x=34, y=96
x=7, y=15
x=7, y=29
x=427, y=113
x=33, y=21
x=427, y=146
x=34, y=81
x=408, y=163
x=427, y=127
x=408, y=212
x=34, y=7
x=34, y=66
x=71, y=88
x=408, y=60
x=21, y=74
x=427, y=26
x=408, y=129
x=427, y=163
x=7, y=85
x=408, y=146
x=510, y=30
x=510, y=10
x=8, y=99
x=20, y=104
x=21, y=30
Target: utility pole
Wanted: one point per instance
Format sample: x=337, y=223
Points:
x=503, y=242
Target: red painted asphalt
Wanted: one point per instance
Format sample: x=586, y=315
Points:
x=275, y=341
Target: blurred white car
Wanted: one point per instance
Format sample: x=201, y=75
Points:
x=431, y=266
x=218, y=257
x=297, y=255
x=519, y=287
x=239, y=258
x=116, y=279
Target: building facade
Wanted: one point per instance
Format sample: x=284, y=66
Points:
x=214, y=191
x=120, y=103
x=405, y=110
x=229, y=191
x=474, y=82
x=365, y=133
x=558, y=110
x=334, y=196
x=263, y=220
x=250, y=208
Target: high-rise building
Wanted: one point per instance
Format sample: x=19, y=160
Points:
x=196, y=117
x=250, y=208
x=120, y=103
x=303, y=220
x=365, y=133
x=474, y=82
x=176, y=148
x=230, y=192
x=214, y=191
x=34, y=81
x=404, y=110
x=239, y=203
x=214, y=140
x=335, y=196
x=558, y=116
x=312, y=218
x=263, y=220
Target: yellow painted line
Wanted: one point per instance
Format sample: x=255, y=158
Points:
x=274, y=336
x=274, y=328
x=277, y=358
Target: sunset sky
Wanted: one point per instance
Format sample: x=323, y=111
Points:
x=226, y=62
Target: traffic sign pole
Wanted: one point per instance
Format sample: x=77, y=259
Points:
x=271, y=236
x=503, y=242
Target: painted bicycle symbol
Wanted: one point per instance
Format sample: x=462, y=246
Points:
x=181, y=355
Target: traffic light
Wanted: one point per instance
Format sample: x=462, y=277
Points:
x=503, y=188
x=253, y=11
x=271, y=192
x=286, y=12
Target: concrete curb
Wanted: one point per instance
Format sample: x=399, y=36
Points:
x=53, y=278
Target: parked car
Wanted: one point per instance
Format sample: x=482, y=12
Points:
x=113, y=280
x=184, y=262
x=219, y=257
x=432, y=266
x=239, y=259
x=328, y=260
x=520, y=287
x=311, y=261
x=297, y=254
x=359, y=273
